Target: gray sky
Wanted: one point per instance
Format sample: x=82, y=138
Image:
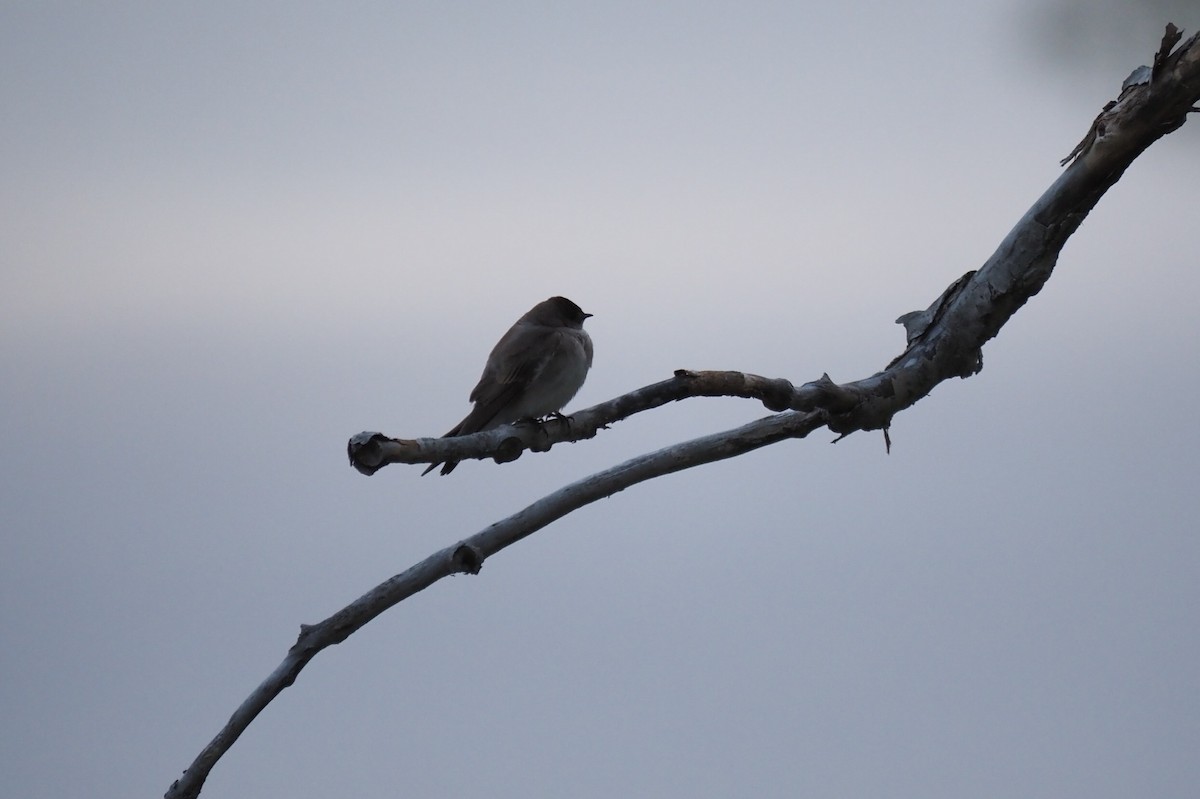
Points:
x=232, y=237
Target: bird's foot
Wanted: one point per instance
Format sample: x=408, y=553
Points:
x=566, y=419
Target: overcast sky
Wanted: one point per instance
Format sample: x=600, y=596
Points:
x=232, y=235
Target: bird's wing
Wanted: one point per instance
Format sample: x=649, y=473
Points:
x=525, y=350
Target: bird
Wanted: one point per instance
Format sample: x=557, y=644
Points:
x=533, y=371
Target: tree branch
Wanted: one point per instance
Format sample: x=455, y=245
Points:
x=944, y=341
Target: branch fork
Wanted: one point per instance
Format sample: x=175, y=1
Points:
x=943, y=341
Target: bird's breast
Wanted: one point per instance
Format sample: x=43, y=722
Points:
x=560, y=379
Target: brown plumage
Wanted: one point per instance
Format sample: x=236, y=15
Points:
x=534, y=370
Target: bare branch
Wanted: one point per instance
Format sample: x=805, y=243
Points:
x=944, y=341
x=370, y=452
x=468, y=555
